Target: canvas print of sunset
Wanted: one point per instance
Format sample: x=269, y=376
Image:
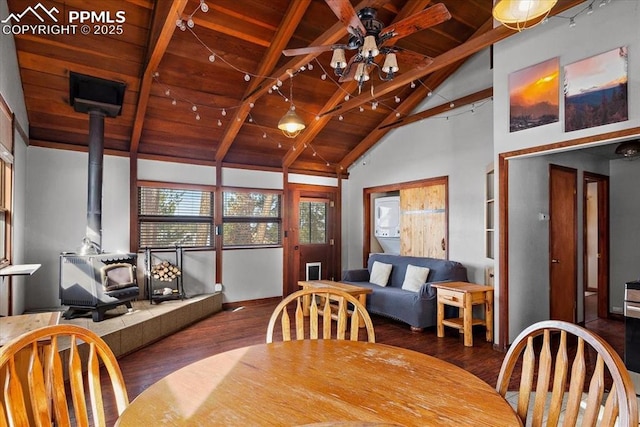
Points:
x=595, y=90
x=534, y=94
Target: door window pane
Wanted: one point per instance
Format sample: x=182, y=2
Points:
x=313, y=222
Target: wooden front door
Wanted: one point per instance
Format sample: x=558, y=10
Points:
x=312, y=234
x=563, y=267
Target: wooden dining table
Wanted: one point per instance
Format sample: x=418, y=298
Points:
x=319, y=382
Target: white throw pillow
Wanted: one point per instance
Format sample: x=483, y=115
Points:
x=380, y=273
x=414, y=278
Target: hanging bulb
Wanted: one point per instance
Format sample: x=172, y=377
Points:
x=179, y=23
x=219, y=122
x=397, y=114
x=264, y=135
x=167, y=92
x=156, y=74
x=190, y=23
x=194, y=108
x=270, y=91
x=361, y=109
x=279, y=145
x=340, y=117
x=293, y=148
x=572, y=22
x=323, y=76
x=183, y=27
x=224, y=112
x=328, y=164
x=247, y=77
x=203, y=6
x=413, y=85
x=314, y=154
x=197, y=116
x=430, y=93
x=310, y=66
x=317, y=117
x=397, y=99
x=278, y=83
x=251, y=105
x=212, y=57
x=250, y=119
x=346, y=97
x=590, y=9
x=452, y=105
x=174, y=102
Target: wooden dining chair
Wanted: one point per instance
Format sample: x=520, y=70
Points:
x=321, y=303
x=551, y=393
x=33, y=371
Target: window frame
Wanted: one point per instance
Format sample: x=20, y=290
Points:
x=7, y=137
x=252, y=219
x=140, y=219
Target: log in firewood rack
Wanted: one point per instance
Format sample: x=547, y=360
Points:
x=166, y=289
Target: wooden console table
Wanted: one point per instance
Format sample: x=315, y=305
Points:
x=464, y=296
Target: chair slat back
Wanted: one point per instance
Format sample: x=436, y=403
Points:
x=348, y=313
x=35, y=393
x=620, y=405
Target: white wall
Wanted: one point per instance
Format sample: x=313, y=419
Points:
x=607, y=28
x=459, y=147
x=56, y=214
x=11, y=90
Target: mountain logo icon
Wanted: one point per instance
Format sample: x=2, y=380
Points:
x=38, y=11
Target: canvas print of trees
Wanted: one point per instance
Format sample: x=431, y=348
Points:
x=595, y=90
x=534, y=94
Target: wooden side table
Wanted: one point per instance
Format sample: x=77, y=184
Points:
x=464, y=296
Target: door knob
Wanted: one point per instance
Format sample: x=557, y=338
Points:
x=555, y=261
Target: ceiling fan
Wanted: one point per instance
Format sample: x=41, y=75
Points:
x=370, y=37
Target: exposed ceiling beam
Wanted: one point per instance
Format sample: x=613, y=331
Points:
x=164, y=24
x=316, y=126
x=290, y=21
x=474, y=45
x=465, y=100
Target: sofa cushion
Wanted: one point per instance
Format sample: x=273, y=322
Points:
x=380, y=273
x=414, y=278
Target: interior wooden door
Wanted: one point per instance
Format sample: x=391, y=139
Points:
x=563, y=274
x=423, y=221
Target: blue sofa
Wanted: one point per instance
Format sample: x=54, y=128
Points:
x=418, y=309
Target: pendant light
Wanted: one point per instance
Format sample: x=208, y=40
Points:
x=522, y=14
x=291, y=124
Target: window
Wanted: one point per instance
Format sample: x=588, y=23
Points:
x=170, y=217
x=6, y=182
x=313, y=222
x=251, y=218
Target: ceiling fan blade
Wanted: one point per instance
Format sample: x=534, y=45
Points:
x=426, y=18
x=347, y=15
x=306, y=50
x=350, y=69
x=409, y=59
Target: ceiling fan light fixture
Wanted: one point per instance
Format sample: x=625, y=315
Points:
x=522, y=14
x=291, y=124
x=338, y=60
x=390, y=65
x=369, y=47
x=629, y=149
x=362, y=74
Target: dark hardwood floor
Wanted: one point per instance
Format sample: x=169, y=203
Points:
x=241, y=327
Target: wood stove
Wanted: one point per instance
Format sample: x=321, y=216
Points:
x=90, y=279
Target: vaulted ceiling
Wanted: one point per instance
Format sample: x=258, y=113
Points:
x=205, y=94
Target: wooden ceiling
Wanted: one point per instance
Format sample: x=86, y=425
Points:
x=238, y=116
